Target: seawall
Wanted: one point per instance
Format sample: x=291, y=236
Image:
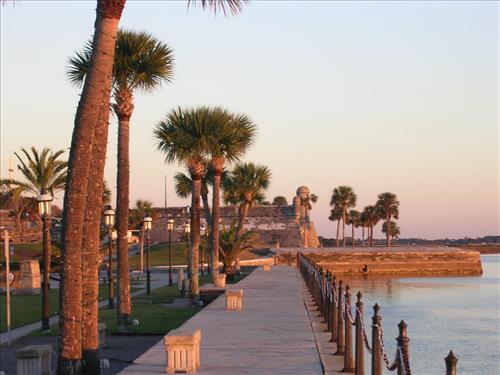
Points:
x=395, y=261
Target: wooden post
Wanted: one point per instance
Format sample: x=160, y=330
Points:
x=359, y=364
x=328, y=303
x=376, y=347
x=403, y=343
x=348, y=358
x=451, y=364
x=340, y=321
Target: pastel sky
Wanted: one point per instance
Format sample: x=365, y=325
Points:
x=381, y=96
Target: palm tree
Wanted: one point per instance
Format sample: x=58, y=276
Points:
x=336, y=215
x=245, y=186
x=372, y=216
x=43, y=173
x=141, y=63
x=232, y=136
x=142, y=208
x=363, y=222
x=388, y=207
x=394, y=230
x=183, y=136
x=353, y=219
x=345, y=198
x=94, y=98
x=231, y=246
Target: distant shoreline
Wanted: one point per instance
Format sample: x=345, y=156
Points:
x=483, y=249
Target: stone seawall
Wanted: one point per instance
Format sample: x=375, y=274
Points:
x=396, y=261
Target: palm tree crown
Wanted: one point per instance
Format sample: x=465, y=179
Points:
x=246, y=184
x=42, y=171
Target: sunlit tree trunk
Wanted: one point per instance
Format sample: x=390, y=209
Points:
x=124, y=309
x=94, y=91
x=91, y=244
x=343, y=228
x=215, y=223
x=337, y=238
x=353, y=241
x=194, y=291
x=387, y=231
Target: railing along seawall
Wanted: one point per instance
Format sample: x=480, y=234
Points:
x=333, y=299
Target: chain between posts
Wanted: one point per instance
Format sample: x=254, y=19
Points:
x=334, y=306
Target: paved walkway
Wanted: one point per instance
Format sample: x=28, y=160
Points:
x=272, y=335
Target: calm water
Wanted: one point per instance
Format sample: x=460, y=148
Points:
x=458, y=313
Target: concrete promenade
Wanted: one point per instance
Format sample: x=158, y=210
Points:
x=271, y=335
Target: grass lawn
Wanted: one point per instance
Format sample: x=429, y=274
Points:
x=28, y=309
x=158, y=255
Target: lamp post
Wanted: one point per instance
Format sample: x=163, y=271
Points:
x=187, y=231
x=148, y=224
x=109, y=221
x=44, y=208
x=203, y=230
x=170, y=228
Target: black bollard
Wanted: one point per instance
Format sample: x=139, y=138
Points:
x=403, y=343
x=328, y=301
x=451, y=364
x=376, y=347
x=348, y=358
x=359, y=364
x=340, y=321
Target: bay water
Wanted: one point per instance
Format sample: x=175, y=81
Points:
x=442, y=313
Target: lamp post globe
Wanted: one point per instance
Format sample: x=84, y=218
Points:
x=147, y=223
x=170, y=228
x=44, y=208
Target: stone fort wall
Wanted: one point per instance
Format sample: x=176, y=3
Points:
x=272, y=223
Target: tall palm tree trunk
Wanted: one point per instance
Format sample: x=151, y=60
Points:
x=243, y=216
x=95, y=89
x=343, y=228
x=362, y=235
x=124, y=309
x=387, y=231
x=91, y=244
x=337, y=238
x=215, y=224
x=195, y=239
x=353, y=241
x=370, y=234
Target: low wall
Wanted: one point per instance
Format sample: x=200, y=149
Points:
x=397, y=261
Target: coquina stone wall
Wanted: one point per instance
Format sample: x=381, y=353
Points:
x=273, y=224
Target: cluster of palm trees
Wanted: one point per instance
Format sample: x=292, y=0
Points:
x=386, y=208
x=204, y=140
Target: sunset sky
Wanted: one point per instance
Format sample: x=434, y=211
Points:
x=390, y=96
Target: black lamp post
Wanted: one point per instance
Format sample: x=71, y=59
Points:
x=170, y=228
x=203, y=231
x=109, y=221
x=44, y=208
x=187, y=231
x=148, y=224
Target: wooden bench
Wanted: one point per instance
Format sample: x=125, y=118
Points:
x=34, y=360
x=183, y=352
x=234, y=299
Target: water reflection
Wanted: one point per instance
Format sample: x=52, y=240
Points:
x=459, y=313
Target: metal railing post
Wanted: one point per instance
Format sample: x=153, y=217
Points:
x=348, y=358
x=359, y=364
x=376, y=347
x=334, y=310
x=340, y=321
x=403, y=344
x=451, y=363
